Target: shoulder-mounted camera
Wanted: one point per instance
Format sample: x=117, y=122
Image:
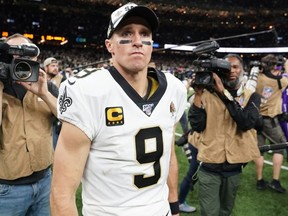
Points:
x=15, y=62
x=207, y=63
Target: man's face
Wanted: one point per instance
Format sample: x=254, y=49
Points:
x=131, y=45
x=52, y=69
x=234, y=78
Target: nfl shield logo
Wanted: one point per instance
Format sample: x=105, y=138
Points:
x=267, y=92
x=147, y=108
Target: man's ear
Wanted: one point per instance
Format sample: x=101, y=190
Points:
x=109, y=45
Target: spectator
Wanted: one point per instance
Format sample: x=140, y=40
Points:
x=223, y=117
x=118, y=128
x=52, y=70
x=26, y=142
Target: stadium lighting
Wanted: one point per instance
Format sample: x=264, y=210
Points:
x=64, y=42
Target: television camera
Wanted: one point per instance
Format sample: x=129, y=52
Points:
x=207, y=63
x=20, y=68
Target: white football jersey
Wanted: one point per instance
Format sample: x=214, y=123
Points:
x=131, y=138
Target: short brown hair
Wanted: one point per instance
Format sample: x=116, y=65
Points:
x=269, y=61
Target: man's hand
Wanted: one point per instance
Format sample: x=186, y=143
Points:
x=40, y=88
x=198, y=89
x=218, y=85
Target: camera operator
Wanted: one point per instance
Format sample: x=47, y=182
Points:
x=270, y=85
x=26, y=142
x=224, y=117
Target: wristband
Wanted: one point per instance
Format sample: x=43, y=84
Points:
x=174, y=207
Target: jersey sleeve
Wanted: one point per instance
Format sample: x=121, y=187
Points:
x=73, y=106
x=182, y=95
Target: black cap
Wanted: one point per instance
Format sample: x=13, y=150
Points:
x=132, y=9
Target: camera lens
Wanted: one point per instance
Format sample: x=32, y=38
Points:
x=22, y=70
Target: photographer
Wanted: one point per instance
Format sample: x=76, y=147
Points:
x=26, y=141
x=224, y=116
x=270, y=85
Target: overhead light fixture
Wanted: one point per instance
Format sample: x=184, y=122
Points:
x=64, y=42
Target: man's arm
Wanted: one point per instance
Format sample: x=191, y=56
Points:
x=197, y=115
x=172, y=180
x=69, y=161
x=51, y=101
x=246, y=118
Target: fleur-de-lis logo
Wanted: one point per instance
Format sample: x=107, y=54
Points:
x=64, y=101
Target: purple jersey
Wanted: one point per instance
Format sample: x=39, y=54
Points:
x=284, y=125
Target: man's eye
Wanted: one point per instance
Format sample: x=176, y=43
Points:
x=145, y=34
x=126, y=34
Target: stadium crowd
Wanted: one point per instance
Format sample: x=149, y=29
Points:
x=174, y=62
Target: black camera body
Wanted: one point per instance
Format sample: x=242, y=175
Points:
x=207, y=64
x=20, y=68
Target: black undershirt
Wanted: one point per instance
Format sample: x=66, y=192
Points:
x=148, y=89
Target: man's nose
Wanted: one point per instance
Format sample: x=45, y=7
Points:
x=137, y=40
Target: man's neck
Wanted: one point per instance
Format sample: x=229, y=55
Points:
x=50, y=76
